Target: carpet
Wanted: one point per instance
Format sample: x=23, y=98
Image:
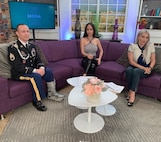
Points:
x=140, y=123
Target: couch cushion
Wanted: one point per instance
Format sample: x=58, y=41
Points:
x=123, y=60
x=65, y=49
x=152, y=81
x=75, y=64
x=111, y=69
x=16, y=86
x=105, y=46
x=115, y=51
x=41, y=54
x=44, y=47
x=60, y=71
x=4, y=64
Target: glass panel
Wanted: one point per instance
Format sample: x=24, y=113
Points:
x=93, y=18
x=83, y=26
x=103, y=9
x=84, y=7
x=121, y=1
x=121, y=9
x=103, y=19
x=112, y=1
x=112, y=9
x=75, y=1
x=83, y=1
x=84, y=16
x=92, y=1
x=110, y=28
x=103, y=1
x=111, y=19
x=93, y=9
x=73, y=25
x=121, y=19
x=120, y=29
x=102, y=28
x=73, y=18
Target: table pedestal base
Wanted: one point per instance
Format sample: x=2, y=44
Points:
x=106, y=110
x=81, y=123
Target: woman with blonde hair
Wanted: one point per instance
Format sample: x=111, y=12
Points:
x=141, y=57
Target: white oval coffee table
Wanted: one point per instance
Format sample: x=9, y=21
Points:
x=106, y=110
x=89, y=122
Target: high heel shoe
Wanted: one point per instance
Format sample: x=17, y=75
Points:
x=130, y=103
x=127, y=98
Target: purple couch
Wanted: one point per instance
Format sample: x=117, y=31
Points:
x=64, y=59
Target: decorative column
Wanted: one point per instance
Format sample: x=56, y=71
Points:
x=115, y=32
x=77, y=25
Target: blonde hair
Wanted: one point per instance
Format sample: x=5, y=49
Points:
x=140, y=33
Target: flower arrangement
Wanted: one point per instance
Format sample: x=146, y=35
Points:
x=93, y=86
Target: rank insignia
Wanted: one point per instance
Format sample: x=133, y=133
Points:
x=12, y=57
x=33, y=52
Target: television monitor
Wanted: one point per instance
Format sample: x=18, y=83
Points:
x=34, y=15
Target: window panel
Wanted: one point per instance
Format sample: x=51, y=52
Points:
x=84, y=1
x=75, y=1
x=92, y=1
x=112, y=1
x=103, y=9
x=122, y=2
x=121, y=9
x=104, y=13
x=103, y=1
x=93, y=9
x=112, y=9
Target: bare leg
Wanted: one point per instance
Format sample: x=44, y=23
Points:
x=132, y=96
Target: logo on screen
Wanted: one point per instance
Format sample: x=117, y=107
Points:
x=35, y=16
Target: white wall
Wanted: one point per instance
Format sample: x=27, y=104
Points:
x=131, y=21
x=65, y=19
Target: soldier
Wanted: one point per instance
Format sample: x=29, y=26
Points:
x=27, y=65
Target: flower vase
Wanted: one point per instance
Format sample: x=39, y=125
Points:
x=94, y=98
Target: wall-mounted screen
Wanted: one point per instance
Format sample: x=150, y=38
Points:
x=35, y=15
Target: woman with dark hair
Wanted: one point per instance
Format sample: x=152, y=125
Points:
x=89, y=45
x=141, y=57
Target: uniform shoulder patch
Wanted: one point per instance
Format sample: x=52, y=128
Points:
x=12, y=57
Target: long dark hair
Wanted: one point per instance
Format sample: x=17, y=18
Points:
x=85, y=30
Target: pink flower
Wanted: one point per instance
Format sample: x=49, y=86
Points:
x=88, y=89
x=97, y=89
x=93, y=86
x=93, y=80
